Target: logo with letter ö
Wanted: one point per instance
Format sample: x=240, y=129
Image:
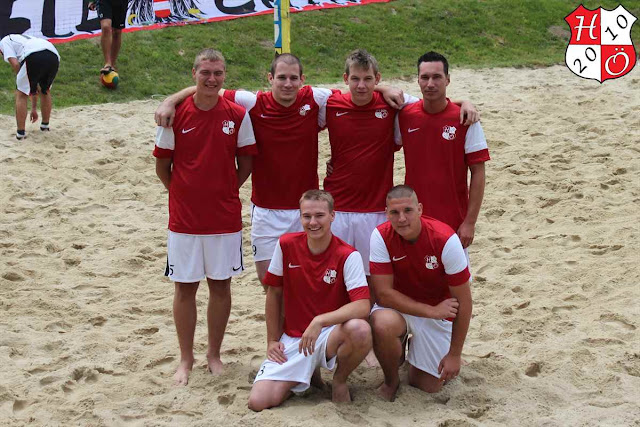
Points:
x=600, y=47
x=330, y=276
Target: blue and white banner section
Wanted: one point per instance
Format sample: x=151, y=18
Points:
x=62, y=21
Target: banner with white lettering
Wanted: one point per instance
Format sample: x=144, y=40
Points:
x=62, y=21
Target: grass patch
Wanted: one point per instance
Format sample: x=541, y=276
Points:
x=471, y=33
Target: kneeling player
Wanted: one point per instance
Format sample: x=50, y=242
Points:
x=417, y=266
x=321, y=282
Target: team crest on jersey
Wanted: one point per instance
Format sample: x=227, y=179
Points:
x=449, y=133
x=431, y=262
x=304, y=109
x=228, y=127
x=330, y=276
x=600, y=47
x=382, y=114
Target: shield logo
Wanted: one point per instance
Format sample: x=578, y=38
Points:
x=449, y=133
x=431, y=262
x=330, y=276
x=228, y=127
x=600, y=47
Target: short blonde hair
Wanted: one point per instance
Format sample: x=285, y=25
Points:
x=208, y=55
x=319, y=195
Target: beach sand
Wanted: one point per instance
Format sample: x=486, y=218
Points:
x=86, y=328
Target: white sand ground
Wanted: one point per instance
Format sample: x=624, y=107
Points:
x=87, y=335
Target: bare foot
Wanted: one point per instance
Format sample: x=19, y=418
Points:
x=317, y=381
x=340, y=393
x=215, y=365
x=371, y=359
x=388, y=392
x=181, y=377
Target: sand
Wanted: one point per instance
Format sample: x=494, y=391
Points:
x=86, y=328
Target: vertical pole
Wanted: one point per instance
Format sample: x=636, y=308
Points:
x=281, y=27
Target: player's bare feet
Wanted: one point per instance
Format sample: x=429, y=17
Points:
x=388, y=392
x=340, y=392
x=371, y=359
x=181, y=377
x=215, y=365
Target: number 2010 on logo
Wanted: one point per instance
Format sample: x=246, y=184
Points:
x=600, y=47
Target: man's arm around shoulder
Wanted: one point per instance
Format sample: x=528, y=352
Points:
x=166, y=111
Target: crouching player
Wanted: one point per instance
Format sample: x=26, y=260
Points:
x=420, y=276
x=319, y=281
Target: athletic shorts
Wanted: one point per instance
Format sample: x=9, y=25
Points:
x=430, y=342
x=298, y=367
x=39, y=69
x=116, y=10
x=267, y=225
x=191, y=258
x=355, y=228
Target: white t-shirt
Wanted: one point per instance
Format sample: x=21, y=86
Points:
x=19, y=46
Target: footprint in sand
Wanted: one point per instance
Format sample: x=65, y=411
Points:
x=13, y=276
x=19, y=405
x=160, y=362
x=603, y=249
x=226, y=399
x=617, y=321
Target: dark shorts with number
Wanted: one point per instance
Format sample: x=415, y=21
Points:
x=42, y=68
x=116, y=10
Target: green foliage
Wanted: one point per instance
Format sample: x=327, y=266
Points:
x=471, y=33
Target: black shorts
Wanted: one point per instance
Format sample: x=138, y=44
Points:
x=116, y=10
x=42, y=68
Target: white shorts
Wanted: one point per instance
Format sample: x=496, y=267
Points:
x=267, y=225
x=22, y=80
x=298, y=367
x=355, y=228
x=430, y=342
x=191, y=258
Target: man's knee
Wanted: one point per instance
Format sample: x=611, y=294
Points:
x=359, y=332
x=116, y=33
x=258, y=403
x=263, y=396
x=220, y=288
x=426, y=386
x=424, y=381
x=386, y=323
x=185, y=291
x=105, y=27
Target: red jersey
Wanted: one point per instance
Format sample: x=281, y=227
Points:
x=438, y=151
x=422, y=270
x=287, y=139
x=314, y=284
x=203, y=145
x=362, y=147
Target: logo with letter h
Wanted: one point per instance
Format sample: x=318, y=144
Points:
x=600, y=47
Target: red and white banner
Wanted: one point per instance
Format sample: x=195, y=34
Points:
x=62, y=21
